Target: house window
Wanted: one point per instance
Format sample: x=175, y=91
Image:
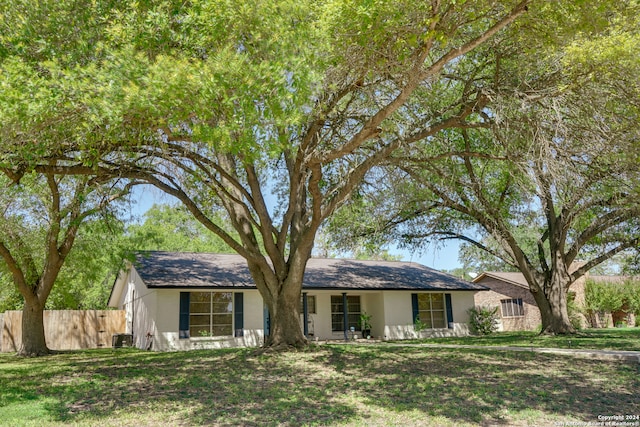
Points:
x=431, y=311
x=512, y=307
x=337, y=312
x=311, y=304
x=210, y=314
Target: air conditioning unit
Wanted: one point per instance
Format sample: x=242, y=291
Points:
x=122, y=340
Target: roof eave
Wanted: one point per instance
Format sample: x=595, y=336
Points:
x=495, y=276
x=320, y=288
x=118, y=285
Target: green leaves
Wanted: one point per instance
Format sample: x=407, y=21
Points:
x=603, y=296
x=173, y=228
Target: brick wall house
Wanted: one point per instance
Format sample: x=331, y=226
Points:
x=517, y=309
x=510, y=294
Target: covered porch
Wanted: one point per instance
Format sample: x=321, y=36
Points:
x=339, y=315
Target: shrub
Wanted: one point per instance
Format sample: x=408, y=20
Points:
x=610, y=297
x=419, y=325
x=631, y=292
x=603, y=296
x=484, y=320
x=574, y=311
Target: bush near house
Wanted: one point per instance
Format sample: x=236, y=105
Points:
x=484, y=320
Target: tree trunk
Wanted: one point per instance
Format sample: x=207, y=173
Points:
x=285, y=330
x=33, y=340
x=553, y=307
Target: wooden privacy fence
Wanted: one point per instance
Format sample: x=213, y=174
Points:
x=66, y=329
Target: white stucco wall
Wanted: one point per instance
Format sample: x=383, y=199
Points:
x=157, y=312
x=322, y=318
x=373, y=304
x=168, y=338
x=398, y=314
x=461, y=302
x=253, y=319
x=141, y=308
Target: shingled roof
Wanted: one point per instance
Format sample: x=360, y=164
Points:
x=519, y=280
x=513, y=278
x=208, y=271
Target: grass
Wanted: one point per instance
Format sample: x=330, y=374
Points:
x=342, y=385
x=602, y=339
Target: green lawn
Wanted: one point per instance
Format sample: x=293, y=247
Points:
x=326, y=385
x=603, y=339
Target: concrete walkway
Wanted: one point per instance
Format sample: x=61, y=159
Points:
x=621, y=355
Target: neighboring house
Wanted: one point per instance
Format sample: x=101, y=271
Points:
x=517, y=308
x=180, y=301
x=509, y=292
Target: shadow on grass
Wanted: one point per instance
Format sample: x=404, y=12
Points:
x=609, y=339
x=478, y=387
x=327, y=385
x=209, y=387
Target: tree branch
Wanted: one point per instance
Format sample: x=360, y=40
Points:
x=601, y=224
x=452, y=235
x=16, y=272
x=414, y=77
x=581, y=271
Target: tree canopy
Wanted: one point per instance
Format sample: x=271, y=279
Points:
x=225, y=104
x=85, y=280
x=173, y=228
x=39, y=224
x=545, y=176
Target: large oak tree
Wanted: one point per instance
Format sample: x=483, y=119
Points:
x=546, y=179
x=39, y=222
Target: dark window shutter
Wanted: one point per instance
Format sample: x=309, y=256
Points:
x=184, y=315
x=238, y=310
x=414, y=306
x=447, y=300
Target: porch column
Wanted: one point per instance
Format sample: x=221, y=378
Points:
x=266, y=319
x=345, y=312
x=305, y=315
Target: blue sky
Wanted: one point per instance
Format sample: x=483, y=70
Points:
x=441, y=258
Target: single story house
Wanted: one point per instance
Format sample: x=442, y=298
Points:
x=181, y=301
x=509, y=292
